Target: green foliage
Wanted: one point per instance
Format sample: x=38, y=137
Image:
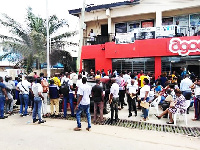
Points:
x=30, y=41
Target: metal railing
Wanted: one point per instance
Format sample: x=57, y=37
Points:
x=99, y=39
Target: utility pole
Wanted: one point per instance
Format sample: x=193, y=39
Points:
x=47, y=24
x=81, y=35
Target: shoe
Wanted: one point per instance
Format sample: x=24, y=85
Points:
x=44, y=116
x=195, y=119
x=42, y=121
x=35, y=120
x=88, y=129
x=119, y=108
x=170, y=122
x=143, y=119
x=129, y=115
x=122, y=107
x=77, y=129
x=157, y=116
x=124, y=104
x=3, y=117
x=135, y=115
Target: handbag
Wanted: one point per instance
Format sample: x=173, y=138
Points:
x=144, y=104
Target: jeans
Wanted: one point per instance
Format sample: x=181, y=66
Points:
x=26, y=100
x=37, y=108
x=187, y=94
x=70, y=97
x=2, y=102
x=114, y=107
x=9, y=105
x=145, y=111
x=21, y=103
x=86, y=109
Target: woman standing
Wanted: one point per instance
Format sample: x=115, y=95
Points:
x=144, y=95
x=178, y=104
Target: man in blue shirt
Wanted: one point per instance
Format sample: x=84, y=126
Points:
x=3, y=97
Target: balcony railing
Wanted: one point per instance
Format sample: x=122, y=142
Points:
x=99, y=39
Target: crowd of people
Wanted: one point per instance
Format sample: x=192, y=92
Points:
x=118, y=88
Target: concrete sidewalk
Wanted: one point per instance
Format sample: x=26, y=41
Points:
x=123, y=114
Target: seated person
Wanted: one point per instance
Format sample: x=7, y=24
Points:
x=179, y=103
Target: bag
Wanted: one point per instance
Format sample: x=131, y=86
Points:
x=45, y=85
x=64, y=89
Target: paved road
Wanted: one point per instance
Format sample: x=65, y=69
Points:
x=19, y=133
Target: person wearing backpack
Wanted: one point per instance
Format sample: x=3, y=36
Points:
x=66, y=90
x=45, y=86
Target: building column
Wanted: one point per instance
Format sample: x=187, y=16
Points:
x=158, y=18
x=158, y=67
x=109, y=21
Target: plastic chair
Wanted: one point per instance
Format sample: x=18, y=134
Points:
x=155, y=103
x=177, y=114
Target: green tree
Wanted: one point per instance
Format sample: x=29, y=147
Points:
x=30, y=41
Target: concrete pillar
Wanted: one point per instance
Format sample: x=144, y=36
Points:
x=158, y=18
x=109, y=25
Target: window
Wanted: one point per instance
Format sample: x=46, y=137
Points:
x=121, y=28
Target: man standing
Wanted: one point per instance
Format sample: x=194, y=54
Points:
x=114, y=99
x=45, y=86
x=3, y=97
x=78, y=85
x=68, y=96
x=121, y=83
x=185, y=87
x=24, y=87
x=97, y=96
x=83, y=104
x=54, y=98
x=131, y=93
x=9, y=87
x=37, y=91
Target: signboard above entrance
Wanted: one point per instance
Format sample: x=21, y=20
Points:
x=183, y=47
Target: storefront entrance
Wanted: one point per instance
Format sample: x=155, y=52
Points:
x=89, y=64
x=134, y=64
x=191, y=63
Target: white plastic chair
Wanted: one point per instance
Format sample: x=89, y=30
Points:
x=154, y=104
x=177, y=114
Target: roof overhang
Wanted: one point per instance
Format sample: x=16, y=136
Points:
x=76, y=12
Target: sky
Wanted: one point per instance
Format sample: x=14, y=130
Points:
x=16, y=9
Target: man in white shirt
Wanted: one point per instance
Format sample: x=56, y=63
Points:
x=24, y=87
x=83, y=104
x=78, y=85
x=185, y=87
x=37, y=90
x=131, y=93
x=114, y=99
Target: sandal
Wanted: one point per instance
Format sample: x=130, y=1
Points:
x=157, y=116
x=170, y=122
x=195, y=119
x=77, y=129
